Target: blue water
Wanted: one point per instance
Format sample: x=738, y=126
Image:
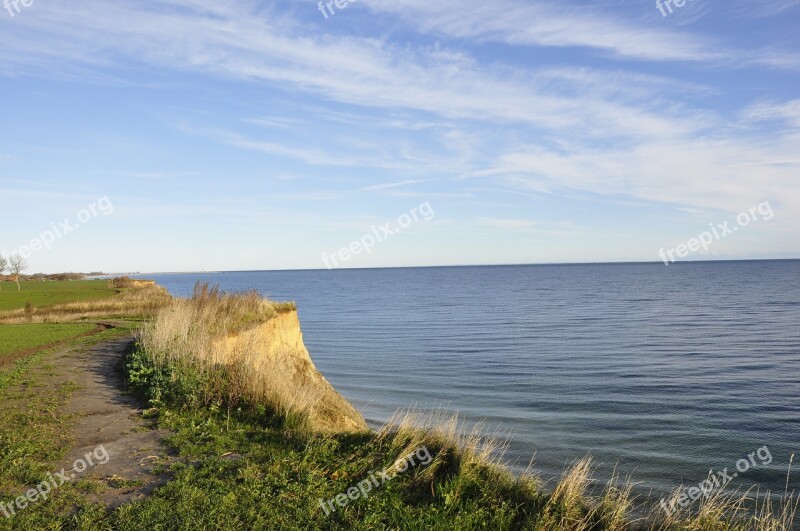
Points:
x=663, y=372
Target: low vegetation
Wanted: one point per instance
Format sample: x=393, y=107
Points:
x=44, y=294
x=41, y=314
x=35, y=434
x=14, y=339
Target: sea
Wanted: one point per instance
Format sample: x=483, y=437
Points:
x=662, y=374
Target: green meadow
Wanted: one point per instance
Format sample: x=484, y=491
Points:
x=43, y=294
x=21, y=337
x=16, y=338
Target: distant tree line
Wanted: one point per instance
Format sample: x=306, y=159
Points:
x=56, y=276
x=14, y=265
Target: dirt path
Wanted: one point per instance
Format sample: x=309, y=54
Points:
x=107, y=424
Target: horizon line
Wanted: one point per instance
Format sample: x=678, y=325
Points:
x=523, y=264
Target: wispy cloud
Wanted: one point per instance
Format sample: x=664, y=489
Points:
x=765, y=8
x=728, y=174
x=616, y=32
x=788, y=112
x=387, y=186
x=363, y=71
x=536, y=227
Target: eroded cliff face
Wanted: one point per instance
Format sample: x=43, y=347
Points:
x=276, y=354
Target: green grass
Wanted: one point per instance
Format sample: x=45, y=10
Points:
x=249, y=470
x=15, y=338
x=254, y=470
x=274, y=479
x=43, y=294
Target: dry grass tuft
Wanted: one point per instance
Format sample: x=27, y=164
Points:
x=566, y=507
x=462, y=451
x=730, y=511
x=457, y=446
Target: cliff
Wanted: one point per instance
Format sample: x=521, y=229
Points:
x=278, y=359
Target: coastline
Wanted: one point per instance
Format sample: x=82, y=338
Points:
x=229, y=378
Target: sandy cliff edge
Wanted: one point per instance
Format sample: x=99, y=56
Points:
x=282, y=354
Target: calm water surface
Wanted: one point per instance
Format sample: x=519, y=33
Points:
x=664, y=372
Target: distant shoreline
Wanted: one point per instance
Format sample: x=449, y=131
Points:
x=463, y=266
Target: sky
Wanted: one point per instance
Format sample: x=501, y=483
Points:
x=191, y=135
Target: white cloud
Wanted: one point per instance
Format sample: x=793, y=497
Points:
x=386, y=186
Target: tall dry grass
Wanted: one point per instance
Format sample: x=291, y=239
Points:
x=730, y=511
x=191, y=335
x=459, y=446
x=187, y=329
x=573, y=505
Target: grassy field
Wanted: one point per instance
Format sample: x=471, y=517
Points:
x=43, y=294
x=81, y=301
x=23, y=337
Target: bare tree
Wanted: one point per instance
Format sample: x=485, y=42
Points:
x=3, y=267
x=18, y=265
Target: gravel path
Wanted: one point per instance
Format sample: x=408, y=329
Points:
x=123, y=449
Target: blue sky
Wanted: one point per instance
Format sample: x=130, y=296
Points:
x=258, y=135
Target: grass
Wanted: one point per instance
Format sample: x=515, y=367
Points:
x=41, y=312
x=44, y=294
x=251, y=471
x=24, y=337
